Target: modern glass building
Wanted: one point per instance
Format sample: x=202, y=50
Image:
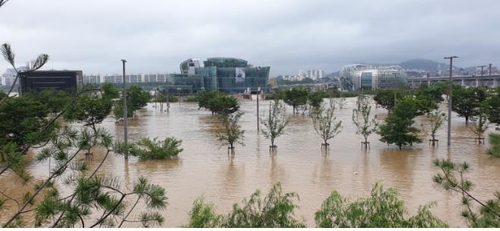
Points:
x=230, y=75
x=356, y=76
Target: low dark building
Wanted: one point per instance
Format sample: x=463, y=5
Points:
x=37, y=81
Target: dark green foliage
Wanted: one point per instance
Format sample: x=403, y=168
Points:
x=315, y=99
x=466, y=101
x=147, y=149
x=494, y=150
x=217, y=102
x=428, y=98
x=22, y=120
x=89, y=109
x=452, y=179
x=387, y=98
x=296, y=97
x=382, y=209
x=55, y=100
x=398, y=128
x=493, y=106
x=276, y=210
x=109, y=91
x=137, y=98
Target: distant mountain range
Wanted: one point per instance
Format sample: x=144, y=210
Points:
x=424, y=64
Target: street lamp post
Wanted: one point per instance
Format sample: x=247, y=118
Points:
x=395, y=74
x=482, y=66
x=450, y=93
x=125, y=119
x=258, y=94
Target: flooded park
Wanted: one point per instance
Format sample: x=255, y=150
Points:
x=204, y=168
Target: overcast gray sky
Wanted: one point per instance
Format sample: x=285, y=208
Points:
x=288, y=35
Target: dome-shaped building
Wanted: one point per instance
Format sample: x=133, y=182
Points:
x=356, y=76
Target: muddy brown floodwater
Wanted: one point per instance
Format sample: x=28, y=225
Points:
x=205, y=169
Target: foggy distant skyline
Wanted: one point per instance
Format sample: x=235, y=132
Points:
x=288, y=35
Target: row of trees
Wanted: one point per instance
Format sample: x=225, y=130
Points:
x=479, y=105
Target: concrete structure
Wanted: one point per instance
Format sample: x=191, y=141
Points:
x=356, y=76
x=466, y=81
x=230, y=75
x=40, y=80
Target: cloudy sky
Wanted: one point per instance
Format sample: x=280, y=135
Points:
x=288, y=35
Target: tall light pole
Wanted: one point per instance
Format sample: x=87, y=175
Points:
x=394, y=81
x=450, y=94
x=258, y=94
x=125, y=119
x=482, y=66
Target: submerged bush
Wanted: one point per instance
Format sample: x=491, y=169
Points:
x=147, y=149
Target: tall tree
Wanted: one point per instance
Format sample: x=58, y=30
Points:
x=436, y=119
x=387, y=98
x=493, y=106
x=217, y=102
x=361, y=118
x=231, y=132
x=325, y=124
x=481, y=123
x=315, y=100
x=466, y=101
x=398, y=128
x=275, y=122
x=296, y=97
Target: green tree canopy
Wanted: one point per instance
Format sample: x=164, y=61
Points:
x=22, y=121
x=382, y=209
x=296, y=97
x=466, y=101
x=398, y=128
x=217, y=102
x=387, y=98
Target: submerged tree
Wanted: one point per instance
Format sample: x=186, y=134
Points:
x=467, y=101
x=382, y=209
x=452, y=179
x=274, y=123
x=436, y=119
x=217, y=102
x=325, y=124
x=398, y=128
x=152, y=149
x=386, y=98
x=296, y=97
x=480, y=124
x=361, y=118
x=231, y=131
